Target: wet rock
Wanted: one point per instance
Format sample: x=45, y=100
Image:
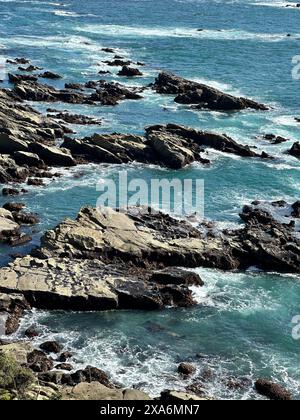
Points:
x=19, y=239
x=72, y=86
x=14, y=207
x=118, y=63
x=64, y=366
x=31, y=332
x=51, y=347
x=275, y=139
x=29, y=68
x=50, y=75
x=17, y=78
x=77, y=119
x=186, y=369
x=65, y=356
x=272, y=390
x=35, y=182
x=189, y=92
x=53, y=377
x=130, y=72
x=10, y=191
x=296, y=209
x=173, y=275
x=89, y=374
x=295, y=150
x=110, y=93
x=25, y=218
x=39, y=362
x=108, y=50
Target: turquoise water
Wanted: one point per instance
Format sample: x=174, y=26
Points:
x=243, y=321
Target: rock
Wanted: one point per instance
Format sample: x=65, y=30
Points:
x=30, y=159
x=296, y=209
x=10, y=191
x=295, y=150
x=5, y=213
x=19, y=239
x=51, y=347
x=35, y=182
x=89, y=374
x=110, y=93
x=17, y=78
x=64, y=366
x=50, y=75
x=18, y=351
x=12, y=307
x=26, y=218
x=77, y=119
x=65, y=356
x=186, y=369
x=108, y=50
x=12, y=207
x=31, y=332
x=189, y=92
x=130, y=72
x=72, y=86
x=272, y=391
x=180, y=396
x=29, y=68
x=135, y=395
x=52, y=155
x=275, y=139
x=173, y=275
x=118, y=63
x=39, y=362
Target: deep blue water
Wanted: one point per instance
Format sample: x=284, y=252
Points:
x=243, y=321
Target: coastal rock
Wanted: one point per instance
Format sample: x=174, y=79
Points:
x=295, y=150
x=17, y=78
x=12, y=308
x=64, y=366
x=31, y=332
x=52, y=155
x=51, y=347
x=110, y=93
x=272, y=391
x=186, y=369
x=19, y=351
x=89, y=374
x=65, y=356
x=50, y=75
x=76, y=119
x=29, y=159
x=130, y=72
x=180, y=396
x=39, y=362
x=95, y=391
x=189, y=92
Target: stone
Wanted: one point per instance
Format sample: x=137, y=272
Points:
x=50, y=75
x=186, y=369
x=65, y=356
x=31, y=332
x=18, y=351
x=272, y=390
x=51, y=347
x=64, y=366
x=12, y=307
x=180, y=396
x=39, y=362
x=27, y=158
x=295, y=150
x=130, y=72
x=52, y=155
x=200, y=95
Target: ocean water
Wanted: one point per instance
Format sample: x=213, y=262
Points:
x=243, y=321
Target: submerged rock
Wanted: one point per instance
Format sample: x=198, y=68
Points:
x=200, y=95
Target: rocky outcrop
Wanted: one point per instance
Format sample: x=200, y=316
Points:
x=272, y=390
x=176, y=396
x=172, y=146
x=52, y=155
x=200, y=95
x=76, y=119
x=130, y=72
x=295, y=150
x=50, y=75
x=186, y=369
x=109, y=93
x=12, y=308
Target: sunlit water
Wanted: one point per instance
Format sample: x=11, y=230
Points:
x=243, y=321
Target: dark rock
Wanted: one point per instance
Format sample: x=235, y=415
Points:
x=64, y=366
x=189, y=92
x=177, y=276
x=295, y=150
x=52, y=155
x=10, y=191
x=89, y=374
x=30, y=159
x=25, y=218
x=14, y=207
x=19, y=239
x=108, y=50
x=118, y=63
x=51, y=347
x=50, y=75
x=72, y=86
x=17, y=78
x=77, y=119
x=29, y=68
x=35, y=182
x=65, y=356
x=296, y=209
x=272, y=391
x=130, y=72
x=186, y=369
x=53, y=377
x=31, y=332
x=39, y=362
x=13, y=307
x=275, y=139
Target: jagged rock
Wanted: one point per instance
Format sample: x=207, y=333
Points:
x=30, y=68
x=130, y=72
x=89, y=374
x=110, y=93
x=25, y=218
x=10, y=191
x=52, y=155
x=30, y=159
x=275, y=139
x=173, y=275
x=11, y=207
x=64, y=366
x=12, y=308
x=186, y=369
x=77, y=119
x=35, y=182
x=108, y=50
x=65, y=356
x=72, y=86
x=118, y=63
x=51, y=347
x=31, y=332
x=17, y=78
x=296, y=209
x=189, y=92
x=50, y=75
x=272, y=391
x=295, y=150
x=39, y=362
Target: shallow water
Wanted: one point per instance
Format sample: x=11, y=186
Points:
x=243, y=321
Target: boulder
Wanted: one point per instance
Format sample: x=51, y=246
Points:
x=18, y=351
x=272, y=390
x=27, y=158
x=186, y=369
x=39, y=362
x=130, y=72
x=180, y=396
x=51, y=347
x=52, y=155
x=295, y=150
x=50, y=75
